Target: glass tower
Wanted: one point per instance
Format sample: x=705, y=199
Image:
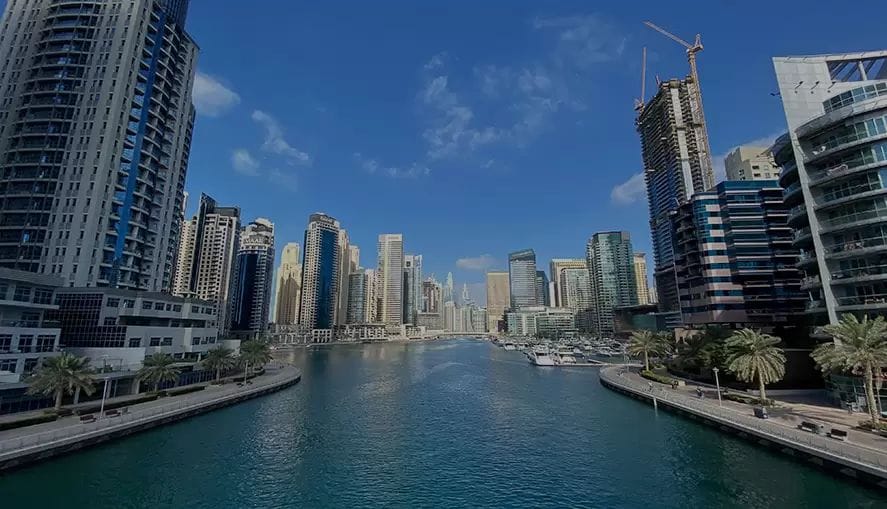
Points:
x=522, y=278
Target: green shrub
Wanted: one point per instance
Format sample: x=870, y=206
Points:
x=91, y=409
x=178, y=391
x=656, y=377
x=29, y=421
x=747, y=399
x=876, y=426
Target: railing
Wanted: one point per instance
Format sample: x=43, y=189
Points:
x=814, y=304
x=108, y=424
x=854, y=217
x=803, y=232
x=848, y=192
x=849, y=452
x=857, y=245
x=871, y=270
x=862, y=300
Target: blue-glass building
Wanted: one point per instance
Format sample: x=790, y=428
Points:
x=320, y=273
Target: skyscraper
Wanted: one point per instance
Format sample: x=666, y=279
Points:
x=640, y=276
x=371, y=296
x=390, y=267
x=349, y=261
x=251, y=294
x=751, y=163
x=357, y=297
x=93, y=175
x=677, y=164
x=320, y=273
x=465, y=299
x=205, y=263
x=448, y=295
x=556, y=267
x=577, y=296
x=833, y=161
x=431, y=296
x=610, y=265
x=498, y=300
x=289, y=286
x=412, y=287
x=542, y=294
x=522, y=278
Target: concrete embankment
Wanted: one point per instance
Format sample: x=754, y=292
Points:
x=25, y=446
x=865, y=464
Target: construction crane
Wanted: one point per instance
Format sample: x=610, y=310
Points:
x=639, y=103
x=692, y=49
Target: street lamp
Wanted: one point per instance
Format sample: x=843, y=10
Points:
x=717, y=385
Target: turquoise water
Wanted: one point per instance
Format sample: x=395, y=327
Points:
x=443, y=424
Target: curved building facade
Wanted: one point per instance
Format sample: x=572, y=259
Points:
x=834, y=172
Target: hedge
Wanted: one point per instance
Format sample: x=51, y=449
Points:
x=869, y=426
x=117, y=404
x=29, y=421
x=656, y=377
x=178, y=391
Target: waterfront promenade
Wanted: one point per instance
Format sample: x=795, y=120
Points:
x=863, y=456
x=33, y=443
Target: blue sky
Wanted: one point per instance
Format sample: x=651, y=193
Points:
x=473, y=128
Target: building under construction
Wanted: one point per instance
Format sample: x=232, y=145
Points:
x=677, y=164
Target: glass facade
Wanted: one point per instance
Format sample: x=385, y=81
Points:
x=522, y=278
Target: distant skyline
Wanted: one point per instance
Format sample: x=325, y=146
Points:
x=472, y=129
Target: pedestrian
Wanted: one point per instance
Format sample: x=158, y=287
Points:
x=650, y=385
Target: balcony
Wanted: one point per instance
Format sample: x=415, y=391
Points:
x=811, y=282
x=859, y=275
x=876, y=300
x=796, y=214
x=814, y=306
x=856, y=247
x=865, y=216
x=801, y=234
x=849, y=194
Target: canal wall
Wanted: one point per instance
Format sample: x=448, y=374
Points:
x=26, y=449
x=867, y=465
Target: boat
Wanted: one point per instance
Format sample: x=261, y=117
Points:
x=509, y=346
x=540, y=357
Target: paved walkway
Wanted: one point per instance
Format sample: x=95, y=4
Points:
x=786, y=414
x=70, y=427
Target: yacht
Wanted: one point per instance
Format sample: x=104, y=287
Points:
x=540, y=357
x=509, y=346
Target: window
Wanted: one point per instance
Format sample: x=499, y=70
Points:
x=113, y=303
x=135, y=342
x=8, y=365
x=195, y=340
x=195, y=309
x=147, y=304
x=158, y=306
x=154, y=342
x=110, y=320
x=25, y=343
x=42, y=296
x=31, y=365
x=129, y=303
x=167, y=341
x=177, y=308
x=4, y=289
x=22, y=293
x=5, y=342
x=45, y=343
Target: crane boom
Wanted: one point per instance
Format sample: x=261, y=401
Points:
x=669, y=35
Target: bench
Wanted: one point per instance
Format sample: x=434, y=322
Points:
x=838, y=434
x=112, y=413
x=811, y=427
x=87, y=418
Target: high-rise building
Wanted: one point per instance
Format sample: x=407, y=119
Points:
x=357, y=298
x=833, y=161
x=450, y=312
x=610, y=265
x=734, y=255
x=253, y=271
x=465, y=300
x=372, y=302
x=751, y=163
x=349, y=261
x=640, y=276
x=522, y=278
x=558, y=265
x=205, y=263
x=320, y=273
x=542, y=293
x=577, y=296
x=289, y=286
x=448, y=295
x=431, y=296
x=412, y=287
x=498, y=300
x=677, y=164
x=390, y=267
x=93, y=175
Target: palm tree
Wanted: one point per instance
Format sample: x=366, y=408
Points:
x=647, y=343
x=755, y=356
x=859, y=347
x=62, y=375
x=157, y=369
x=255, y=352
x=219, y=359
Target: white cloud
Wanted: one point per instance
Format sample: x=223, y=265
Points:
x=717, y=161
x=244, y=163
x=629, y=191
x=583, y=40
x=482, y=262
x=211, y=97
x=372, y=166
x=275, y=143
